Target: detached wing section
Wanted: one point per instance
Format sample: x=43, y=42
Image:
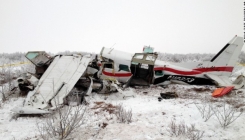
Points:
x=224, y=81
x=56, y=83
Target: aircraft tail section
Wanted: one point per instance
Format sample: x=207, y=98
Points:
x=228, y=55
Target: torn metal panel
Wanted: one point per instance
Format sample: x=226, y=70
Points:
x=57, y=81
x=29, y=110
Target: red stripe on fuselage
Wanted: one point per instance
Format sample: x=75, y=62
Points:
x=128, y=74
x=196, y=71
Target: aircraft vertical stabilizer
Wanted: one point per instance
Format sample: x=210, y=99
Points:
x=228, y=55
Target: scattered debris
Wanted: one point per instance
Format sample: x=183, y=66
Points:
x=167, y=95
x=102, y=106
x=222, y=91
x=103, y=125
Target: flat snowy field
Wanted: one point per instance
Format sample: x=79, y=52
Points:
x=150, y=119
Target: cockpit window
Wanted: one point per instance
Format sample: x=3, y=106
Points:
x=108, y=66
x=123, y=67
x=31, y=55
x=38, y=58
x=159, y=73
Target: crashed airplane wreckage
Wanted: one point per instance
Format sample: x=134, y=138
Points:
x=59, y=77
x=56, y=79
x=145, y=69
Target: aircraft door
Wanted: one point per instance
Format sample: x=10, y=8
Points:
x=142, y=68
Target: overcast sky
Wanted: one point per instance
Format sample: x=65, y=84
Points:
x=171, y=26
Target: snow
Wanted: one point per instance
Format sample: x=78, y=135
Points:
x=15, y=129
x=150, y=117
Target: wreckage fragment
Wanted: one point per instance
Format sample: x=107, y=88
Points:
x=222, y=91
x=55, y=84
x=167, y=95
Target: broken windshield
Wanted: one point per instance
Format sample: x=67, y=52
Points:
x=38, y=58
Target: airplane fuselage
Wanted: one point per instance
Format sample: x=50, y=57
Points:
x=162, y=73
x=122, y=66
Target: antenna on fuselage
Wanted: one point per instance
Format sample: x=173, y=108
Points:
x=111, y=49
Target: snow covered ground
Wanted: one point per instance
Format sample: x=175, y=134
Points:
x=150, y=120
